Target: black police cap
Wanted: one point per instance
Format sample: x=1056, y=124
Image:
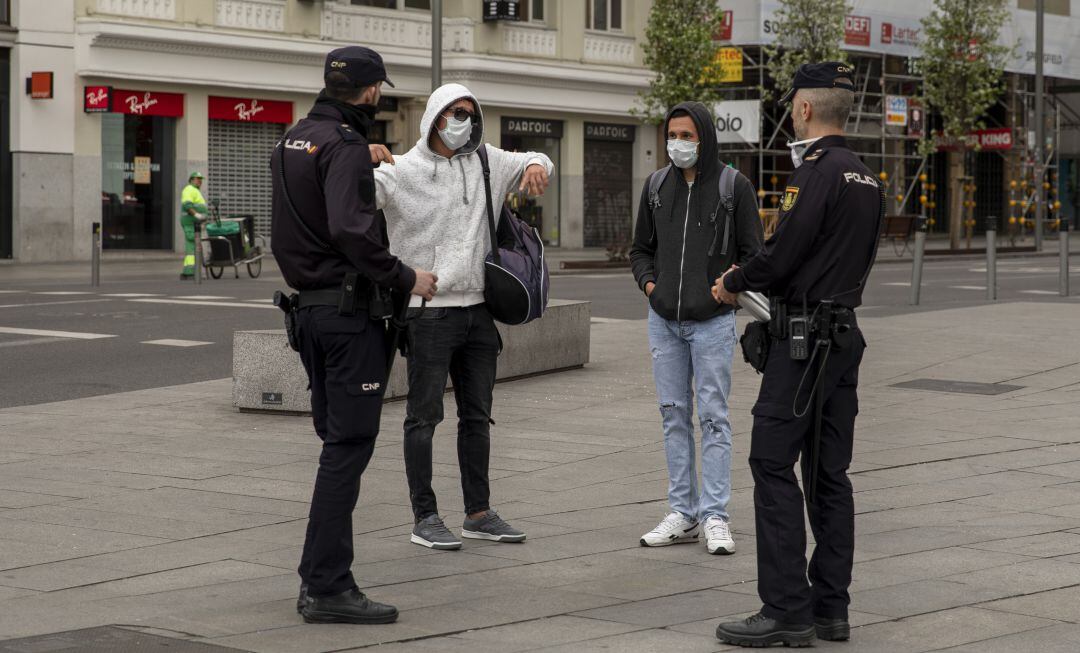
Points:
x=828, y=74
x=363, y=66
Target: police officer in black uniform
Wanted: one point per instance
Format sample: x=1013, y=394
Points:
x=814, y=268
x=331, y=249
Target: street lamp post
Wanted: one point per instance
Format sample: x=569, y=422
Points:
x=436, y=44
x=1040, y=128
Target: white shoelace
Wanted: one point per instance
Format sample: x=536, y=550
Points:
x=670, y=522
x=716, y=528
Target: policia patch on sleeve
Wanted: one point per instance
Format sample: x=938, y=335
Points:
x=791, y=194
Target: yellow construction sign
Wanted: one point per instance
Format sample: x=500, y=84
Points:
x=726, y=68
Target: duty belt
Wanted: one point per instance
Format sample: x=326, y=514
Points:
x=320, y=297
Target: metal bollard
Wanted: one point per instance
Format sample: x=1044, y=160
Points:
x=991, y=258
x=1063, y=255
x=198, y=253
x=95, y=254
x=917, y=261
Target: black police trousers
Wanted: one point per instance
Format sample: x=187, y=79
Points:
x=345, y=358
x=777, y=441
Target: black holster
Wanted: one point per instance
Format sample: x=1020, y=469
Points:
x=755, y=342
x=289, y=305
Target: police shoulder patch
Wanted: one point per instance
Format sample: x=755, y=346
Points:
x=348, y=134
x=791, y=195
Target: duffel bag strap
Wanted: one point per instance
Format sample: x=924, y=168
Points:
x=482, y=153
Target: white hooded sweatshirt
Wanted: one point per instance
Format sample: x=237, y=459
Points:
x=436, y=209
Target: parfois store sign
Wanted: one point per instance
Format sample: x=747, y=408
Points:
x=147, y=103
x=250, y=110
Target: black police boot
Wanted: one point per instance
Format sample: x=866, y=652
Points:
x=301, y=600
x=759, y=630
x=350, y=607
x=833, y=630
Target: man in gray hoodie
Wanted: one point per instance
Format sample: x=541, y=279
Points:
x=436, y=214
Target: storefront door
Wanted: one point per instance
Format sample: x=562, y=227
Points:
x=138, y=157
x=609, y=169
x=138, y=160
x=536, y=135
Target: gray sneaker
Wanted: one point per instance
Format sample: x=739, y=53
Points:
x=491, y=527
x=433, y=533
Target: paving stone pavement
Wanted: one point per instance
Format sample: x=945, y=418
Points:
x=166, y=511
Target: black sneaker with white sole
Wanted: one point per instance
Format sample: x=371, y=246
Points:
x=433, y=533
x=490, y=526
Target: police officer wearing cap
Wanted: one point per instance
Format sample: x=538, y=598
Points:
x=814, y=267
x=330, y=247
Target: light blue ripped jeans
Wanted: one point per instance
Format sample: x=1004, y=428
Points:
x=699, y=353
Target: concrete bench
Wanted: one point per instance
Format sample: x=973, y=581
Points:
x=268, y=376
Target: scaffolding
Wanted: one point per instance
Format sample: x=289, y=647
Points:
x=991, y=182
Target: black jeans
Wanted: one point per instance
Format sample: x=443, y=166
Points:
x=464, y=343
x=778, y=440
x=345, y=358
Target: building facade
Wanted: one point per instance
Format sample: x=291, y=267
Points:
x=146, y=91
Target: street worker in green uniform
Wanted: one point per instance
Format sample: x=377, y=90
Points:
x=192, y=208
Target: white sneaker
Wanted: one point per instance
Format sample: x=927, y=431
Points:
x=718, y=536
x=674, y=529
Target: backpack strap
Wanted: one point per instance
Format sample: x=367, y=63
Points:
x=727, y=202
x=482, y=153
x=656, y=180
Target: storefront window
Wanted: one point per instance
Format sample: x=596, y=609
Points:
x=532, y=135
x=137, y=176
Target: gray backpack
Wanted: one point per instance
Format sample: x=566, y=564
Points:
x=727, y=200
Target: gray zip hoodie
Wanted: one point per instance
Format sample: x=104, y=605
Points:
x=436, y=210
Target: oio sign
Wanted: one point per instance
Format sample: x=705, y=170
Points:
x=738, y=121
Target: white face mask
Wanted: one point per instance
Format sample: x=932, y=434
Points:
x=683, y=154
x=798, y=149
x=457, y=133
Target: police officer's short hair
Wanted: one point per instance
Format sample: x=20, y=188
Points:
x=340, y=87
x=832, y=106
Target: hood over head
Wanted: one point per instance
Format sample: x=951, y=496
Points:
x=441, y=98
x=708, y=154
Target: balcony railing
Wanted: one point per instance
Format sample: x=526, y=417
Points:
x=155, y=9
x=601, y=47
x=263, y=15
x=408, y=29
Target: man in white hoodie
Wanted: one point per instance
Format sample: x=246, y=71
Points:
x=436, y=214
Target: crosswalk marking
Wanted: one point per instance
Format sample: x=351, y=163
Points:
x=130, y=295
x=198, y=297
x=11, y=292
x=260, y=301
x=54, y=334
x=606, y=320
x=168, y=342
x=64, y=292
x=897, y=283
x=70, y=301
x=193, y=302
x=968, y=287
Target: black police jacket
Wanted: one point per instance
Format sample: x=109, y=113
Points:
x=827, y=234
x=678, y=245
x=330, y=180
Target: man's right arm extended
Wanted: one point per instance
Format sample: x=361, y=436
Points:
x=350, y=210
